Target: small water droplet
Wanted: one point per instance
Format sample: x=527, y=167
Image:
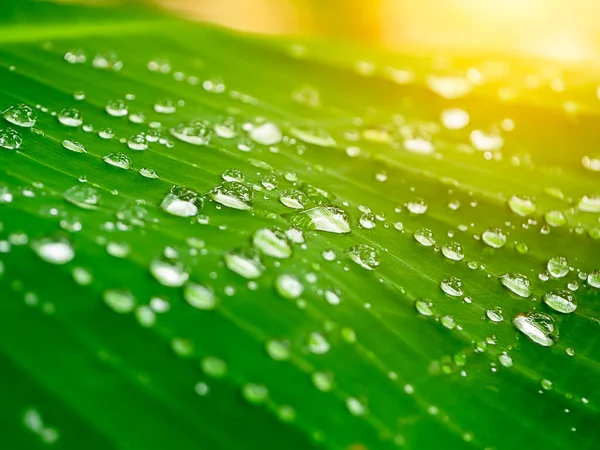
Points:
x=495, y=314
x=214, y=367
x=522, y=205
x=84, y=196
x=266, y=134
x=199, y=297
x=182, y=202
x=70, y=117
x=233, y=195
x=558, y=266
x=417, y=206
x=165, y=106
x=321, y=218
x=244, y=262
x=279, y=350
x=318, y=344
x=272, y=243
x=255, y=393
x=119, y=300
x=119, y=160
x=494, y=237
x=137, y=142
x=74, y=146
x=453, y=251
x=117, y=108
x=424, y=307
x=167, y=273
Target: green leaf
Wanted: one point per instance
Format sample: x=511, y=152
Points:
x=281, y=244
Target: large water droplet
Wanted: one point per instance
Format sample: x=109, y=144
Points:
x=537, y=326
x=20, y=115
x=424, y=236
x=593, y=279
x=233, y=195
x=561, y=300
x=318, y=344
x=10, y=139
x=137, y=142
x=315, y=137
x=293, y=198
x=417, y=206
x=589, y=203
x=517, y=283
x=322, y=218
x=455, y=118
x=165, y=106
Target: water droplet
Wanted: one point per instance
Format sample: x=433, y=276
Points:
x=137, y=142
x=74, y=146
x=417, y=206
x=495, y=314
x=171, y=274
x=54, y=251
x=195, y=132
x=558, y=266
x=214, y=367
x=20, y=115
x=279, y=350
x=244, y=262
x=182, y=347
x=233, y=175
x=486, y=142
x=591, y=163
x=424, y=307
x=452, y=286
x=455, y=118
x=593, y=279
x=537, y=326
x=233, y=195
x=424, y=236
x=182, y=202
x=165, y=106
x=269, y=182
x=119, y=300
x=517, y=283
x=449, y=87
x=546, y=384
x=316, y=137
x=561, y=300
x=505, y=359
x=555, y=218
x=323, y=381
x=570, y=351
x=199, y=297
x=145, y=316
x=321, y=218
x=82, y=276
x=589, y=203
x=364, y=255
x=318, y=344
x=118, y=159
x=118, y=249
x=117, y=108
x=76, y=56
x=494, y=237
x=84, y=196
x=356, y=407
x=148, y=173
x=107, y=60
x=286, y=413
x=367, y=221
x=448, y=322
x=288, y=286
x=333, y=298
x=453, y=251
x=521, y=205
x=106, y=133
x=10, y=139
x=272, y=243
x=266, y=134
x=70, y=117
x=255, y=393
x=418, y=145
x=293, y=198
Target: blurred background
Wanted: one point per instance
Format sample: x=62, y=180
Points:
x=565, y=30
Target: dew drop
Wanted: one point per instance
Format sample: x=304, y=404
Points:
x=494, y=237
x=199, y=297
x=233, y=195
x=119, y=300
x=10, y=139
x=195, y=132
x=117, y=108
x=561, y=300
x=244, y=262
x=83, y=196
x=20, y=115
x=74, y=146
x=272, y=243
x=424, y=236
x=321, y=218
x=55, y=251
x=119, y=160
x=452, y=286
x=169, y=274
x=517, y=283
x=289, y=286
x=182, y=202
x=70, y=117
x=558, y=266
x=364, y=255
x=537, y=326
x=453, y=251
x=266, y=134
